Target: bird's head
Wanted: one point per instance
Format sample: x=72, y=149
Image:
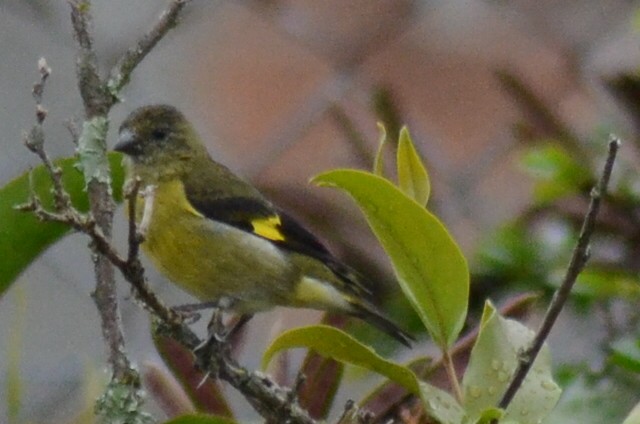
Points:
x=158, y=138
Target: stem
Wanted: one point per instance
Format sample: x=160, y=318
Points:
x=119, y=75
x=92, y=152
x=578, y=261
x=451, y=373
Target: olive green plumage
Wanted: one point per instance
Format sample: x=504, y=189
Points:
x=218, y=237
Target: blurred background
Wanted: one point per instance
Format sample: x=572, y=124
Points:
x=282, y=90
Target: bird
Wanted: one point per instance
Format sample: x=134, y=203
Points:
x=220, y=239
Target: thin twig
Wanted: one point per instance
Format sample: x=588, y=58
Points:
x=34, y=140
x=354, y=415
x=578, y=261
x=272, y=401
x=87, y=71
x=98, y=97
x=119, y=75
x=72, y=126
x=432, y=372
x=135, y=237
x=275, y=403
x=92, y=147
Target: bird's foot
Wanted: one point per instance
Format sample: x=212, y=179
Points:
x=219, y=337
x=206, y=352
x=190, y=312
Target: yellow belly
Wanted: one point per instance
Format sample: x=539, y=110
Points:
x=211, y=259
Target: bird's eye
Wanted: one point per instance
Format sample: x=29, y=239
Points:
x=159, y=134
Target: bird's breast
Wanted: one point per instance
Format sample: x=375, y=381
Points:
x=211, y=259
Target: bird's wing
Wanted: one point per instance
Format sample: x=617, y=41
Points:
x=263, y=220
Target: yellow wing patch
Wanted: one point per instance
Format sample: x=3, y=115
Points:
x=268, y=228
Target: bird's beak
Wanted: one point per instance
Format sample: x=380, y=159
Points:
x=127, y=143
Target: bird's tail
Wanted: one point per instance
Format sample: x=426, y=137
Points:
x=371, y=315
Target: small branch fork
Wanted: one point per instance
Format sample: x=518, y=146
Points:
x=99, y=96
x=119, y=75
x=578, y=261
x=275, y=403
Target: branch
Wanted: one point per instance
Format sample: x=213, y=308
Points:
x=34, y=139
x=353, y=415
x=87, y=72
x=389, y=402
x=98, y=98
x=93, y=160
x=132, y=268
x=578, y=261
x=274, y=403
x=121, y=72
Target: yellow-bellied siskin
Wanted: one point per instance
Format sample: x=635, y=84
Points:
x=217, y=237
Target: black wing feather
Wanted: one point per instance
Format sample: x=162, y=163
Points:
x=239, y=212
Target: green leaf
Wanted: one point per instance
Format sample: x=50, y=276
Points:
x=512, y=253
x=378, y=163
x=428, y=263
x=493, y=361
x=336, y=344
x=605, y=284
x=13, y=379
x=558, y=172
x=381, y=394
x=587, y=402
x=200, y=419
x=22, y=236
x=626, y=354
x=413, y=179
x=323, y=376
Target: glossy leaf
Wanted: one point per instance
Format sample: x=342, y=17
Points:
x=22, y=236
x=200, y=419
x=413, y=179
x=336, y=344
x=386, y=395
x=323, y=376
x=492, y=364
x=428, y=263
